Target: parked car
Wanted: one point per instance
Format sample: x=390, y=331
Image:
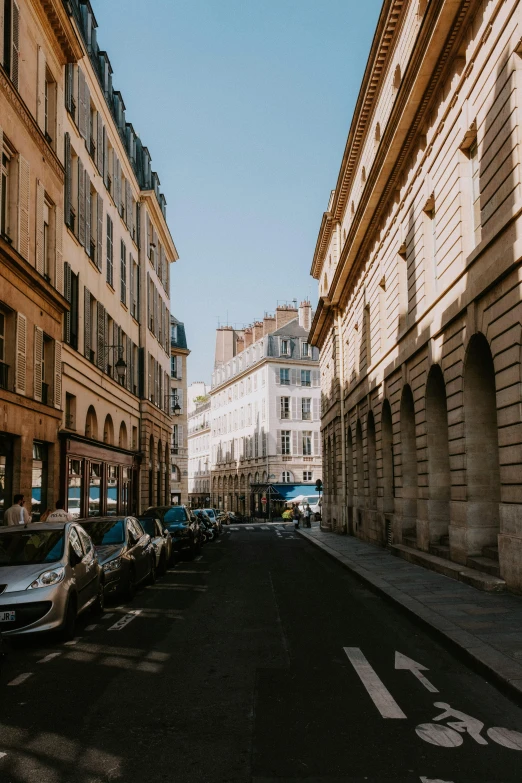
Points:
x=205, y=525
x=125, y=553
x=182, y=526
x=216, y=521
x=50, y=574
x=161, y=541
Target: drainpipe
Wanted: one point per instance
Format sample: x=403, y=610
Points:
x=344, y=508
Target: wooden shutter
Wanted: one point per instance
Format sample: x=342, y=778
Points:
x=69, y=85
x=57, y=374
x=317, y=445
x=58, y=245
x=132, y=300
x=277, y=377
x=293, y=377
x=99, y=237
x=59, y=120
x=316, y=378
x=40, y=94
x=87, y=323
x=68, y=179
x=23, y=207
x=68, y=295
x=99, y=145
x=105, y=172
x=295, y=443
x=81, y=203
x=40, y=199
x=38, y=358
x=296, y=411
x=83, y=106
x=15, y=45
x=128, y=377
x=87, y=213
x=100, y=336
x=316, y=410
x=115, y=179
x=21, y=354
x=128, y=205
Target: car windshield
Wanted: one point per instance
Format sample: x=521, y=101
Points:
x=105, y=532
x=312, y=499
x=175, y=514
x=209, y=511
x=148, y=526
x=22, y=547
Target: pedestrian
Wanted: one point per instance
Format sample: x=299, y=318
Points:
x=296, y=515
x=307, y=514
x=43, y=517
x=17, y=514
x=59, y=515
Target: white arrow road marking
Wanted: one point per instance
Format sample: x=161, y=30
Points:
x=108, y=615
x=403, y=662
x=377, y=690
x=49, y=657
x=434, y=780
x=20, y=679
x=91, y=627
x=125, y=620
x=3, y=755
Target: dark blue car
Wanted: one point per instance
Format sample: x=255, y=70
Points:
x=182, y=526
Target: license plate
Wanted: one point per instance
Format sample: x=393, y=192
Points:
x=7, y=617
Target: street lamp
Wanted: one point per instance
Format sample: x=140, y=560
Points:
x=121, y=368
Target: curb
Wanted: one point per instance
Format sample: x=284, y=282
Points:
x=484, y=659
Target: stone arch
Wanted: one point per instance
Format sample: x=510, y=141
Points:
x=372, y=460
x=388, y=471
x=409, y=463
x=439, y=479
x=481, y=435
x=264, y=477
x=108, y=430
x=91, y=424
x=220, y=483
x=122, y=437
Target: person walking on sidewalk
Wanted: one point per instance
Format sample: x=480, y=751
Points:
x=60, y=515
x=17, y=514
x=307, y=514
x=296, y=515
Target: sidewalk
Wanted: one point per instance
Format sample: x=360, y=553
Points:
x=486, y=628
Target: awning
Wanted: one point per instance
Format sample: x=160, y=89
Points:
x=282, y=491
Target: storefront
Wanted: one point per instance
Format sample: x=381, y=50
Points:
x=98, y=480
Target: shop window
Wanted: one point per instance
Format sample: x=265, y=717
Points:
x=6, y=474
x=39, y=482
x=112, y=490
x=94, y=489
x=125, y=491
x=74, y=487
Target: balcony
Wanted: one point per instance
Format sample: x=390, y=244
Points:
x=4, y=376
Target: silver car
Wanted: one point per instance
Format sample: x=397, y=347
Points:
x=49, y=574
x=161, y=542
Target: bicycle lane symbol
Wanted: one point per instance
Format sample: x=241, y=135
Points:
x=450, y=734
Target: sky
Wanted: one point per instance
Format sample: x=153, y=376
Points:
x=245, y=107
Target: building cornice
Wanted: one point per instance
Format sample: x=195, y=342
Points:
x=310, y=364
x=149, y=197
x=59, y=30
x=17, y=264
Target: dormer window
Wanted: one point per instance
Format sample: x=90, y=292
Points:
x=285, y=347
x=305, y=349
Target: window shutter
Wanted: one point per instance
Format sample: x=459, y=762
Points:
x=38, y=356
x=128, y=376
x=59, y=120
x=279, y=407
x=86, y=323
x=23, y=207
x=317, y=445
x=40, y=197
x=99, y=233
x=132, y=300
x=87, y=214
x=21, y=354
x=40, y=95
x=128, y=208
x=69, y=81
x=68, y=295
x=81, y=203
x=58, y=249
x=105, y=172
x=316, y=412
x=298, y=377
x=100, y=336
x=316, y=378
x=81, y=104
x=295, y=443
x=68, y=179
x=277, y=377
x=296, y=410
x=293, y=377
x=15, y=45
x=57, y=374
x=179, y=368
x=99, y=144
x=278, y=441
x=180, y=435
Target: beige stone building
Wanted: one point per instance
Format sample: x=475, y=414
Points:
x=179, y=353
x=418, y=322
x=117, y=250
x=36, y=41
x=199, y=434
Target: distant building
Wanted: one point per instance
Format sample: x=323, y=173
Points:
x=199, y=446
x=265, y=412
x=179, y=353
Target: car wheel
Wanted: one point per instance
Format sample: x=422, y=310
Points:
x=69, y=622
x=99, y=605
x=152, y=573
x=130, y=591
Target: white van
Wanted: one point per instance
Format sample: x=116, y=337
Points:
x=314, y=501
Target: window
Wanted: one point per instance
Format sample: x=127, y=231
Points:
x=173, y=366
x=39, y=482
x=110, y=270
x=285, y=408
x=308, y=475
x=307, y=444
x=6, y=193
x=11, y=40
x=3, y=366
x=305, y=350
x=174, y=333
x=285, y=348
x=50, y=108
x=306, y=408
x=475, y=192
x=123, y=273
x=306, y=378
x=286, y=477
x=94, y=489
x=285, y=442
x=284, y=377
x=46, y=239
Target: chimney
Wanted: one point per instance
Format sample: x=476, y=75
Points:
x=248, y=337
x=305, y=315
x=224, y=345
x=269, y=324
x=285, y=314
x=240, y=343
x=257, y=330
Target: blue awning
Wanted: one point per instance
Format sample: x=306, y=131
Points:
x=291, y=491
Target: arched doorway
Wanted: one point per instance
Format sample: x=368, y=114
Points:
x=438, y=460
x=91, y=424
x=409, y=466
x=108, y=430
x=482, y=461
x=122, y=437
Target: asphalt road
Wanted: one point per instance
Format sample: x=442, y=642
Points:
x=262, y=661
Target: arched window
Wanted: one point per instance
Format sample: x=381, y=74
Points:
x=108, y=431
x=122, y=438
x=91, y=424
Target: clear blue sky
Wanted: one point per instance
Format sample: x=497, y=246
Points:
x=245, y=107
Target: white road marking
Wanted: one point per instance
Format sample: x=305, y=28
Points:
x=199, y=557
x=3, y=755
x=405, y=663
x=234, y=528
x=377, y=691
x=108, y=616
x=125, y=620
x=506, y=737
x=91, y=627
x=20, y=679
x=73, y=642
x=49, y=657
x=434, y=780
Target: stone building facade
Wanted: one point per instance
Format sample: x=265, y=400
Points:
x=36, y=41
x=179, y=354
x=199, y=452
x=420, y=307
x=265, y=410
